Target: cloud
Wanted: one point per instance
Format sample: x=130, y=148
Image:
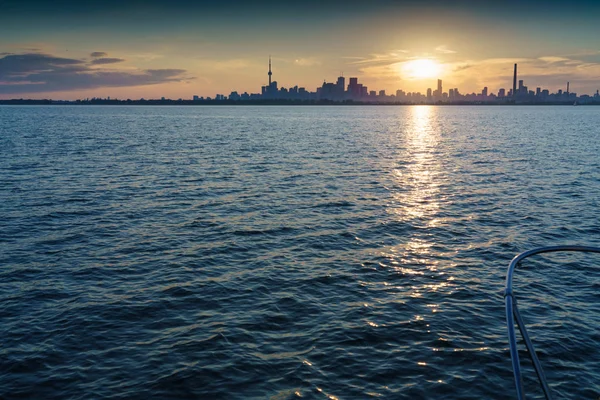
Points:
x=146, y=56
x=552, y=59
x=501, y=60
x=31, y=73
x=462, y=67
x=381, y=58
x=584, y=53
x=98, y=54
x=98, y=61
x=444, y=50
x=471, y=75
x=307, y=62
x=16, y=65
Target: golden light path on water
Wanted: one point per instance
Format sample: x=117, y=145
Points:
x=418, y=203
x=417, y=198
x=416, y=173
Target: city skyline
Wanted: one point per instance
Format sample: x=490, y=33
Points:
x=357, y=92
x=72, y=50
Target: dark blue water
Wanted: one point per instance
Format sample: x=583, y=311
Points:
x=294, y=252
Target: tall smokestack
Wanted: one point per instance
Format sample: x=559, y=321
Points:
x=515, y=82
x=567, y=87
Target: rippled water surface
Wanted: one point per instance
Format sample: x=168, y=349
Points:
x=294, y=252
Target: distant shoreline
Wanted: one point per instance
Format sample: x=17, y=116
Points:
x=279, y=103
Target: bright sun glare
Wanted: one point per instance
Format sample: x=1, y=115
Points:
x=421, y=68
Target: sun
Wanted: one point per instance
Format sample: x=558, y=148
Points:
x=421, y=68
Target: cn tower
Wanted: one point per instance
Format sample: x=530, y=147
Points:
x=270, y=73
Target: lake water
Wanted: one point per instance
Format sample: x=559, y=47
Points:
x=294, y=252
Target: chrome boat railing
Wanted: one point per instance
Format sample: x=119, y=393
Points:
x=513, y=315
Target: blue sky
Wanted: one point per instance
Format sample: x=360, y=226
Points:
x=181, y=48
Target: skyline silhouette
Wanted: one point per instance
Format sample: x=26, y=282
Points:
x=355, y=91
x=71, y=49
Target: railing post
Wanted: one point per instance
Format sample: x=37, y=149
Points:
x=512, y=314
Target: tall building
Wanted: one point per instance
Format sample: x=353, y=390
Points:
x=439, y=88
x=340, y=86
x=353, y=88
x=514, y=90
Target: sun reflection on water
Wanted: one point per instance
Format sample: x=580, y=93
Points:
x=418, y=173
x=416, y=192
x=418, y=202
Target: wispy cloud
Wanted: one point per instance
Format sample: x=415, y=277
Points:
x=444, y=50
x=100, y=61
x=583, y=53
x=36, y=72
x=462, y=67
x=145, y=56
x=98, y=54
x=307, y=62
x=381, y=58
x=552, y=59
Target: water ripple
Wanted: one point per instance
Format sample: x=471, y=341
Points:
x=293, y=252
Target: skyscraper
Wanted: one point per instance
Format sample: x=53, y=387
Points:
x=514, y=91
x=341, y=85
x=353, y=88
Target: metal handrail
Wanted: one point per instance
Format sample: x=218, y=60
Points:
x=512, y=314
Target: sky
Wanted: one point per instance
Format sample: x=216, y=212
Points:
x=68, y=49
